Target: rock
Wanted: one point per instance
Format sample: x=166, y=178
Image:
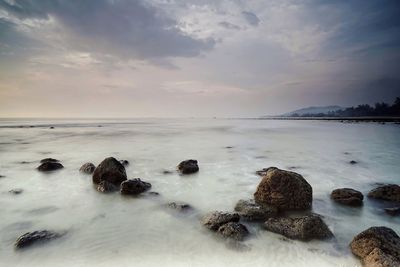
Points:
x=347, y=196
x=251, y=211
x=16, y=191
x=106, y=187
x=180, y=206
x=49, y=160
x=134, y=187
x=393, y=211
x=302, y=228
x=216, y=219
x=2, y=176
x=377, y=246
x=229, y=147
x=110, y=170
x=353, y=162
x=35, y=237
x=284, y=190
x=390, y=192
x=87, y=168
x=188, y=166
x=124, y=162
x=167, y=172
x=152, y=193
x=234, y=230
x=52, y=127
x=50, y=166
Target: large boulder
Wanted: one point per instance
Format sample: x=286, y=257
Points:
x=188, y=166
x=249, y=210
x=301, y=228
x=87, y=168
x=377, y=246
x=347, y=196
x=284, y=190
x=110, y=170
x=50, y=166
x=390, y=192
x=214, y=220
x=35, y=237
x=134, y=187
x=233, y=230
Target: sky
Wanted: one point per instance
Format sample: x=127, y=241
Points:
x=195, y=58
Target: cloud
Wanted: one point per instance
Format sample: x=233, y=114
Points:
x=251, y=18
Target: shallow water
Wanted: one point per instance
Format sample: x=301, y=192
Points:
x=111, y=230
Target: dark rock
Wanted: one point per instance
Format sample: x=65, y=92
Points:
x=229, y=147
x=35, y=237
x=50, y=166
x=51, y=127
x=393, y=211
x=106, y=187
x=124, y=162
x=347, y=196
x=16, y=191
x=302, y=228
x=284, y=190
x=251, y=211
x=216, y=219
x=87, y=168
x=353, y=162
x=110, y=170
x=188, y=166
x=167, y=172
x=180, y=206
x=390, y=192
x=377, y=246
x=234, y=230
x=2, y=176
x=134, y=187
x=49, y=160
x=152, y=193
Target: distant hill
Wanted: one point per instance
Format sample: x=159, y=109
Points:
x=313, y=110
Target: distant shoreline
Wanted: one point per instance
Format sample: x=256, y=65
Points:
x=347, y=119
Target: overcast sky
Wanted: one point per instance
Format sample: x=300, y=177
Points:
x=168, y=58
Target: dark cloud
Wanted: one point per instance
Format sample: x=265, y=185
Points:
x=127, y=29
x=251, y=18
x=228, y=25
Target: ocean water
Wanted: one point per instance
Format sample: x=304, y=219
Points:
x=112, y=230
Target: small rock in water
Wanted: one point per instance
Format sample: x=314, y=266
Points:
x=106, y=187
x=251, y=211
x=393, y=211
x=229, y=147
x=16, y=191
x=111, y=171
x=214, y=220
x=50, y=166
x=188, y=166
x=180, y=206
x=152, y=193
x=49, y=160
x=124, y=162
x=87, y=168
x=167, y=172
x=234, y=230
x=390, y=192
x=301, y=228
x=134, y=187
x=347, y=196
x=51, y=127
x=2, y=176
x=35, y=237
x=353, y=162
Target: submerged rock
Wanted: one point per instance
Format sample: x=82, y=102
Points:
x=87, y=168
x=251, y=211
x=393, y=211
x=49, y=160
x=167, y=172
x=377, y=246
x=35, y=237
x=352, y=162
x=111, y=171
x=134, y=187
x=16, y=191
x=106, y=187
x=214, y=220
x=50, y=166
x=284, y=190
x=234, y=230
x=390, y=192
x=302, y=228
x=188, y=166
x=180, y=206
x=347, y=196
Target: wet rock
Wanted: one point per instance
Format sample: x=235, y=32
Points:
x=393, y=211
x=16, y=191
x=124, y=162
x=347, y=196
x=152, y=193
x=188, y=166
x=214, y=220
x=234, y=230
x=301, y=228
x=50, y=166
x=35, y=237
x=251, y=211
x=284, y=190
x=390, y=192
x=134, y=187
x=229, y=147
x=87, y=168
x=106, y=187
x=52, y=127
x=377, y=246
x=2, y=176
x=111, y=171
x=180, y=206
x=49, y=160
x=353, y=162
x=167, y=172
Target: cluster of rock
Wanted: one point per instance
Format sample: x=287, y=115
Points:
x=225, y=223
